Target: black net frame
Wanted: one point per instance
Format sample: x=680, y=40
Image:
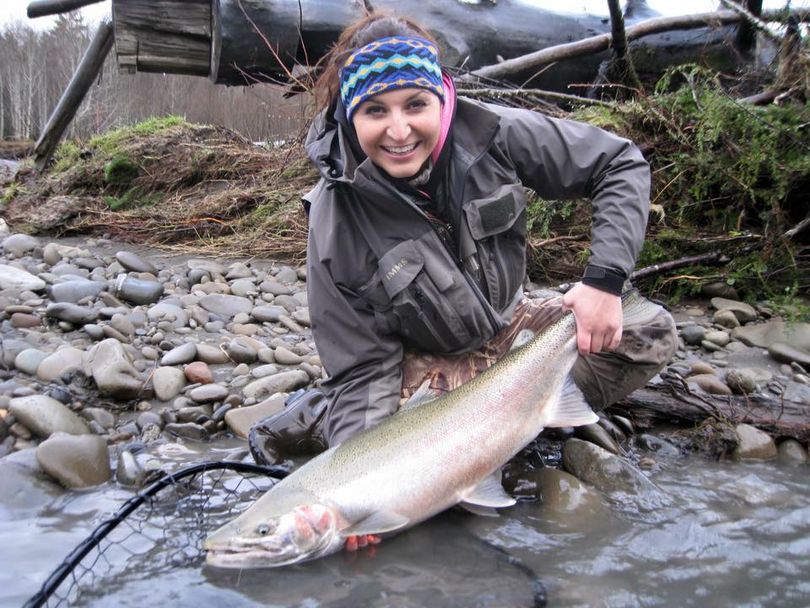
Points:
x=191, y=490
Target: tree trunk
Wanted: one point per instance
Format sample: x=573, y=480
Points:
x=89, y=68
x=747, y=34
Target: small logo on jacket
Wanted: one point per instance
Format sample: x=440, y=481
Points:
x=395, y=269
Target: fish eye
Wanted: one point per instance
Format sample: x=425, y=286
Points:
x=264, y=529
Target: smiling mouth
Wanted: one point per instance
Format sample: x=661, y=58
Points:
x=400, y=149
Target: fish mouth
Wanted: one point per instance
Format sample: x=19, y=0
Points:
x=242, y=554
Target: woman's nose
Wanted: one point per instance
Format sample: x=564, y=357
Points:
x=399, y=128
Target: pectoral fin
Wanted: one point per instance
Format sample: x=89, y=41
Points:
x=487, y=496
x=424, y=394
x=378, y=522
x=571, y=409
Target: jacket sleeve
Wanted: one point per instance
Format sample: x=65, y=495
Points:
x=364, y=365
x=563, y=159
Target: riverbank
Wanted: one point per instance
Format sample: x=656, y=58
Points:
x=108, y=349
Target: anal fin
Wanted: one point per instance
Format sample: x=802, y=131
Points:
x=487, y=496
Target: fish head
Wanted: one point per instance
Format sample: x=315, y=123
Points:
x=263, y=538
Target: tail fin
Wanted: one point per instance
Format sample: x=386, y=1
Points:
x=636, y=309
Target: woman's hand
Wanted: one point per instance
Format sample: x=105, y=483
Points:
x=598, y=315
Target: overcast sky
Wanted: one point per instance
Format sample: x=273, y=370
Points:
x=11, y=10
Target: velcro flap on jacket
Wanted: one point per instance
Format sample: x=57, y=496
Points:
x=496, y=213
x=399, y=267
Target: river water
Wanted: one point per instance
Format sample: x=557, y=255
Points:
x=730, y=534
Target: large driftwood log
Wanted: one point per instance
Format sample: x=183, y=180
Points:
x=171, y=36
x=89, y=68
x=673, y=402
x=44, y=8
x=261, y=40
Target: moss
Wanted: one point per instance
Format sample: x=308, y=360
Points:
x=134, y=197
x=109, y=143
x=120, y=170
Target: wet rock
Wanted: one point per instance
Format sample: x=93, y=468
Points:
x=20, y=244
x=60, y=363
x=791, y=451
x=558, y=491
x=609, y=473
x=188, y=430
x=269, y=314
x=29, y=360
x=113, y=371
x=721, y=338
x=20, y=280
x=747, y=380
x=208, y=393
x=693, y=334
x=137, y=291
x=226, y=306
x=651, y=443
x=100, y=416
x=753, y=444
x=211, y=267
x=72, y=313
x=129, y=471
x=135, y=263
x=46, y=416
x=169, y=313
x=763, y=335
x=302, y=316
x=726, y=318
x=241, y=351
x=198, y=372
x=243, y=288
x=709, y=383
x=719, y=289
x=744, y=312
x=700, y=367
x=75, y=461
x=75, y=290
x=785, y=353
x=240, y=420
x=285, y=382
x=286, y=275
x=168, y=382
x=286, y=357
x=185, y=353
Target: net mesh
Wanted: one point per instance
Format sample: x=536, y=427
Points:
x=162, y=527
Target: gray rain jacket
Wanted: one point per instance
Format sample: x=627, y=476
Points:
x=379, y=275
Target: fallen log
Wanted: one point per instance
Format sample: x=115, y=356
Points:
x=601, y=42
x=45, y=8
x=672, y=401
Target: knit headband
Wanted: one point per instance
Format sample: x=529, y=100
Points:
x=396, y=62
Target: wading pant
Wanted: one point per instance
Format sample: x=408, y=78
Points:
x=604, y=378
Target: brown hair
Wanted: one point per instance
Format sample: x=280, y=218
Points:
x=369, y=28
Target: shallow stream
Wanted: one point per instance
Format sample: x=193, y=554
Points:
x=731, y=534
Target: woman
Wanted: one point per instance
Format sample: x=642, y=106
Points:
x=416, y=251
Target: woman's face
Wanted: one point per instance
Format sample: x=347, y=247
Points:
x=399, y=129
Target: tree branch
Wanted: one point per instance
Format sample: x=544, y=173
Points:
x=601, y=42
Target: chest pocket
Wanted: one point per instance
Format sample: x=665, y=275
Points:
x=497, y=225
x=427, y=297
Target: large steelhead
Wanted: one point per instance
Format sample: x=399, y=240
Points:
x=419, y=462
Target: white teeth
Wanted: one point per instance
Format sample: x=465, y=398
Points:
x=400, y=149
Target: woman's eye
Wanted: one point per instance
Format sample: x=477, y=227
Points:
x=373, y=110
x=418, y=103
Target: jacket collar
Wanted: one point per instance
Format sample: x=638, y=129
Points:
x=328, y=146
